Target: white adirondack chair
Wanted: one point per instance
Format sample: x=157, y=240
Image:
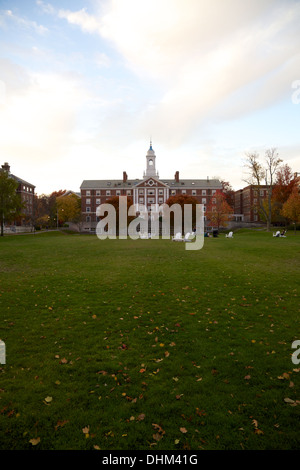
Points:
x=177, y=238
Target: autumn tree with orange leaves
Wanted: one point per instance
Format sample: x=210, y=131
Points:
x=291, y=208
x=219, y=212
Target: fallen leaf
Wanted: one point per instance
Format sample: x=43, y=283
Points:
x=60, y=424
x=288, y=400
x=48, y=400
x=258, y=431
x=255, y=422
x=36, y=441
x=183, y=430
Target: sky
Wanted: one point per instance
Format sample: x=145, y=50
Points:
x=86, y=84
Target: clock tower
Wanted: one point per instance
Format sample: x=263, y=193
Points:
x=150, y=163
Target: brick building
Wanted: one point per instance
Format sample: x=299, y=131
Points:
x=146, y=191
x=246, y=203
x=26, y=192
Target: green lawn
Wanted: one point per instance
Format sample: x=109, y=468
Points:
x=123, y=344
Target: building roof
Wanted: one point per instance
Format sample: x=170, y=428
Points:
x=99, y=184
x=21, y=181
x=182, y=183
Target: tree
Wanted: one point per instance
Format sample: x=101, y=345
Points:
x=10, y=202
x=219, y=212
x=259, y=175
x=285, y=182
x=115, y=202
x=68, y=208
x=291, y=208
x=52, y=206
x=182, y=200
x=228, y=193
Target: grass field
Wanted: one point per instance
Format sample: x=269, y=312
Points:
x=123, y=344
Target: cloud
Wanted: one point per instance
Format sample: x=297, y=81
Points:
x=45, y=7
x=200, y=53
x=39, y=114
x=9, y=16
x=102, y=60
x=87, y=22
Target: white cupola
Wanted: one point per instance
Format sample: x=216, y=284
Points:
x=150, y=163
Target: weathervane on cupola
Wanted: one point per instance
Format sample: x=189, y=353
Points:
x=150, y=162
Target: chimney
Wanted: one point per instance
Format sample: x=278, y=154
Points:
x=6, y=167
x=124, y=176
x=177, y=176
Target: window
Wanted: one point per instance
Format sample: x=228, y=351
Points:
x=151, y=200
x=173, y=192
x=150, y=191
x=214, y=200
x=203, y=192
x=88, y=209
x=261, y=192
x=160, y=200
x=213, y=191
x=183, y=191
x=88, y=193
x=108, y=192
x=128, y=192
x=88, y=219
x=204, y=200
x=141, y=191
x=160, y=191
x=118, y=192
x=194, y=192
x=97, y=193
x=98, y=201
x=88, y=201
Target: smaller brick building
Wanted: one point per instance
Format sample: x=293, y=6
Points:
x=247, y=200
x=26, y=191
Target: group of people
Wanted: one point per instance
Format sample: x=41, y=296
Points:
x=280, y=234
x=214, y=234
